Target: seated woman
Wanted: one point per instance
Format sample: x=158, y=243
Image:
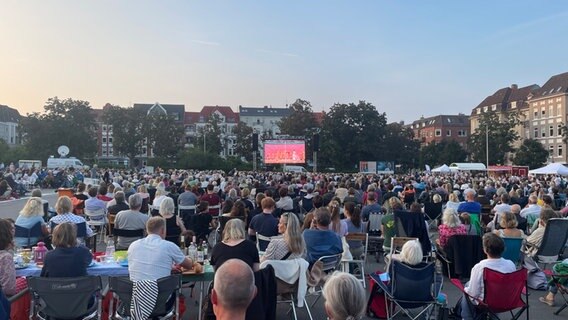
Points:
x=227, y=206
x=453, y=201
x=466, y=222
x=292, y=245
x=344, y=297
x=200, y=223
x=174, y=225
x=67, y=259
x=31, y=214
x=450, y=226
x=7, y=267
x=5, y=191
x=337, y=225
x=508, y=223
x=235, y=246
x=354, y=225
x=411, y=253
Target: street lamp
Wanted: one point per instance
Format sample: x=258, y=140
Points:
x=487, y=146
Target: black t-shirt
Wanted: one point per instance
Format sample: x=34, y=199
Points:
x=66, y=262
x=245, y=251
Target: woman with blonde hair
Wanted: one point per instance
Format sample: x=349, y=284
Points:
x=451, y=225
x=508, y=223
x=31, y=214
x=292, y=245
x=345, y=298
x=235, y=246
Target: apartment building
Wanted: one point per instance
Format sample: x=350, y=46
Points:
x=441, y=127
x=9, y=119
x=196, y=122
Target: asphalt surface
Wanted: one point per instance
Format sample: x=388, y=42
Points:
x=537, y=310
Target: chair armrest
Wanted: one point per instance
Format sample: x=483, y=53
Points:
x=458, y=284
x=18, y=295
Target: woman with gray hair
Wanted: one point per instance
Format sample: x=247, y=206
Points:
x=174, y=224
x=344, y=296
x=451, y=225
x=235, y=246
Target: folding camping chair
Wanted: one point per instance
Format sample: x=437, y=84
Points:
x=33, y=232
x=460, y=255
x=513, y=249
x=553, y=242
x=374, y=231
x=410, y=287
x=433, y=212
x=413, y=225
x=494, y=301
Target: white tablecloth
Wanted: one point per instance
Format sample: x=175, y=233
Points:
x=98, y=269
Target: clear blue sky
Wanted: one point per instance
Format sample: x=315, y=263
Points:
x=408, y=58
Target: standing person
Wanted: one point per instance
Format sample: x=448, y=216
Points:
x=152, y=258
x=233, y=290
x=265, y=224
x=131, y=219
x=68, y=259
x=493, y=246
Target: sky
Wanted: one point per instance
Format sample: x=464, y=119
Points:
x=408, y=58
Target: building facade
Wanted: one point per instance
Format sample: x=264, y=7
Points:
x=195, y=123
x=9, y=119
x=263, y=120
x=548, y=114
x=442, y=127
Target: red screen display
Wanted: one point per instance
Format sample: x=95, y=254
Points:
x=284, y=151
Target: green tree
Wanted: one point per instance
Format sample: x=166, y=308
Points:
x=352, y=133
x=444, y=152
x=531, y=153
x=300, y=123
x=165, y=136
x=243, y=139
x=400, y=146
x=130, y=128
x=64, y=122
x=501, y=136
x=212, y=132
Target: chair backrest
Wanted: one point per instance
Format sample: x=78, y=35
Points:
x=217, y=208
x=33, y=232
x=100, y=213
x=122, y=287
x=81, y=229
x=330, y=263
x=464, y=252
x=359, y=236
x=413, y=285
x=186, y=208
x=497, y=283
x=265, y=239
x=64, y=298
x=412, y=224
x=398, y=242
x=553, y=240
x=128, y=233
x=375, y=219
x=432, y=210
x=512, y=249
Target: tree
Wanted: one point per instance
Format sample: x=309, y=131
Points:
x=444, y=152
x=212, y=133
x=501, y=136
x=531, y=153
x=243, y=139
x=164, y=136
x=400, y=146
x=130, y=128
x=352, y=133
x=64, y=122
x=300, y=123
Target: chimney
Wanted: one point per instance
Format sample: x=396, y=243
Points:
x=514, y=86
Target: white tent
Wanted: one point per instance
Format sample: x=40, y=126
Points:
x=553, y=168
x=443, y=169
x=461, y=166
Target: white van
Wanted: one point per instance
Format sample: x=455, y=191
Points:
x=53, y=163
x=28, y=164
x=295, y=169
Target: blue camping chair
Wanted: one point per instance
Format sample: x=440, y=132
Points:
x=33, y=232
x=410, y=287
x=513, y=249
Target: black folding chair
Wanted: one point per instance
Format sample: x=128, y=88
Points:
x=65, y=298
x=553, y=242
x=433, y=212
x=168, y=288
x=33, y=232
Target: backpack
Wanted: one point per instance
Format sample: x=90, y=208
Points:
x=376, y=305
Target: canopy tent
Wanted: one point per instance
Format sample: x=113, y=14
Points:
x=442, y=169
x=553, y=168
x=466, y=166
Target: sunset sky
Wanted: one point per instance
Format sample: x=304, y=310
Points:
x=408, y=58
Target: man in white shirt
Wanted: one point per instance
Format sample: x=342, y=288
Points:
x=152, y=258
x=532, y=211
x=503, y=206
x=493, y=246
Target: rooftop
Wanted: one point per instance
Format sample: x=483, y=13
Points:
x=266, y=111
x=8, y=114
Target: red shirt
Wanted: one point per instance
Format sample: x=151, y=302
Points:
x=213, y=200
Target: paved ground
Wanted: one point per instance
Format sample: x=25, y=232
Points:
x=10, y=209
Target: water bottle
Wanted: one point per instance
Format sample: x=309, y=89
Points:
x=109, y=253
x=192, y=252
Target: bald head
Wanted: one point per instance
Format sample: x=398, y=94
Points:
x=516, y=209
x=234, y=287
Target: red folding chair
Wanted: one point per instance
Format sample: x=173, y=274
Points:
x=514, y=284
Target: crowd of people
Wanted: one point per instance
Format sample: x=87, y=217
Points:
x=294, y=216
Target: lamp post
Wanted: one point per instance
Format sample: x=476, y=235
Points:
x=486, y=146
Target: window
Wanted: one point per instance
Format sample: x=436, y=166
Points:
x=513, y=104
x=558, y=110
x=104, y=140
x=550, y=111
x=144, y=150
x=449, y=133
x=104, y=127
x=551, y=131
x=485, y=109
x=559, y=130
x=438, y=132
x=493, y=107
x=104, y=152
x=543, y=111
x=536, y=133
x=543, y=133
x=560, y=150
x=535, y=114
x=110, y=140
x=462, y=133
x=478, y=111
x=551, y=150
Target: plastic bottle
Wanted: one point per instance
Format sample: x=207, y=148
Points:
x=109, y=253
x=192, y=252
x=39, y=253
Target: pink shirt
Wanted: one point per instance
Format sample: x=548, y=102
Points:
x=446, y=232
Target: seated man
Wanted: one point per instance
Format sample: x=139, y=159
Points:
x=94, y=204
x=152, y=258
x=265, y=224
x=131, y=219
x=320, y=240
x=493, y=246
x=233, y=290
x=120, y=204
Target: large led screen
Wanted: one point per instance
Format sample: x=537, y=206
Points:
x=284, y=151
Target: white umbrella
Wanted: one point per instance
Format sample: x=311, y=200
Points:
x=553, y=168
